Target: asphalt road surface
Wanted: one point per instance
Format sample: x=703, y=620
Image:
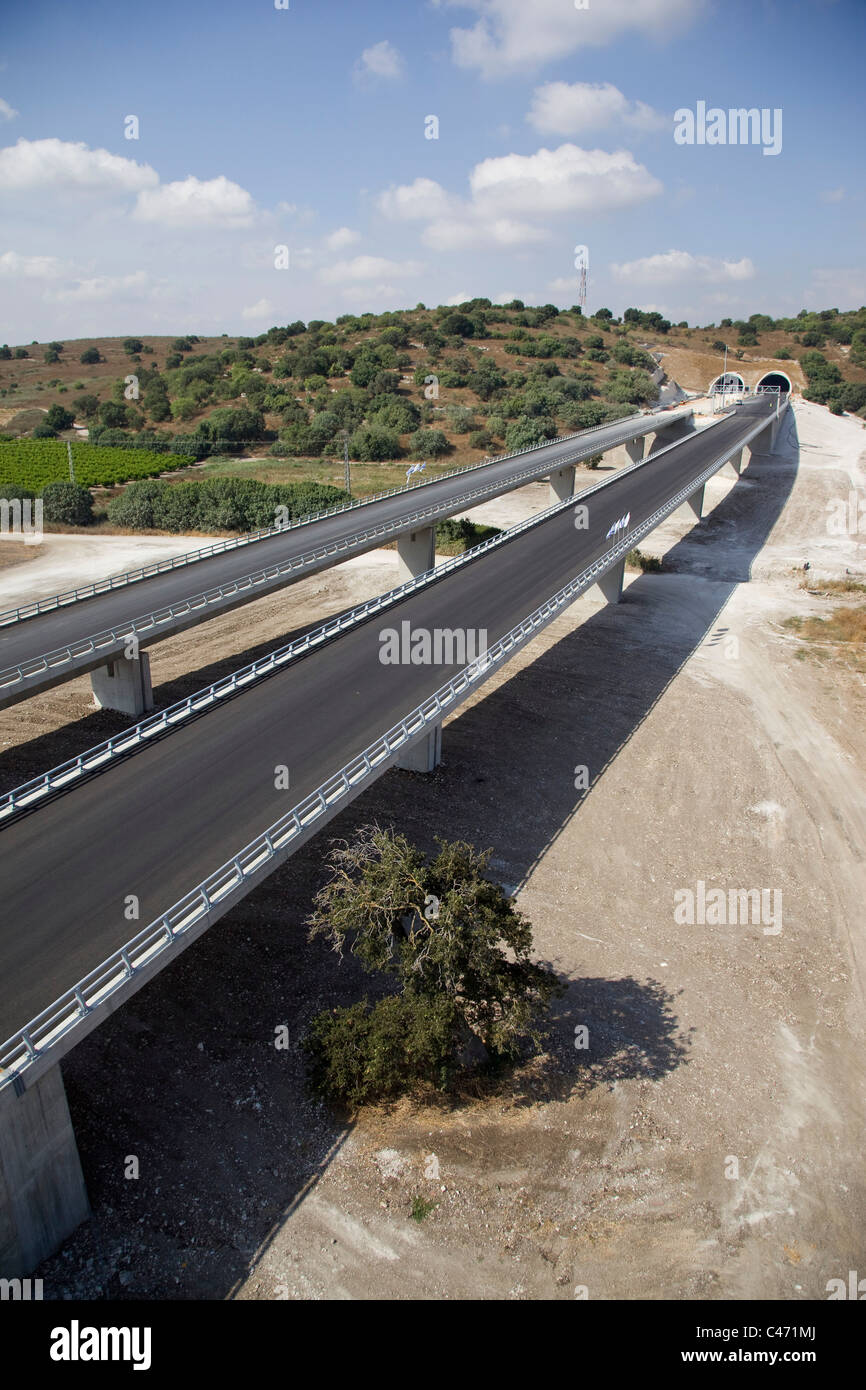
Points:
x=161, y=821
x=32, y=638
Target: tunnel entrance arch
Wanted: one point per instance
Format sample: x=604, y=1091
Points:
x=777, y=380
x=727, y=382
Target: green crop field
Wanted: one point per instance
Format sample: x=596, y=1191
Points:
x=32, y=463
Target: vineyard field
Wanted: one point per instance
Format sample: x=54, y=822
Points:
x=32, y=463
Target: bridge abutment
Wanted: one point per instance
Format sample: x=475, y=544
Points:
x=42, y=1193
x=124, y=684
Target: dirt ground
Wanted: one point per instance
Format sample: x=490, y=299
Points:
x=708, y=1141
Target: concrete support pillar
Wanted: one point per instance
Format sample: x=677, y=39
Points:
x=424, y=755
x=670, y=434
x=416, y=553
x=561, y=485
x=124, y=684
x=634, y=448
x=694, y=505
x=42, y=1192
x=735, y=463
x=611, y=582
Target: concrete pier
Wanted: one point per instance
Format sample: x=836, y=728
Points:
x=124, y=684
x=561, y=485
x=416, y=553
x=634, y=448
x=423, y=756
x=611, y=582
x=42, y=1192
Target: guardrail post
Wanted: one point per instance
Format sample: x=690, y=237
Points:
x=416, y=553
x=42, y=1192
x=561, y=484
x=424, y=755
x=124, y=684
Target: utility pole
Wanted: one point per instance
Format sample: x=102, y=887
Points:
x=725, y=378
x=71, y=464
x=347, y=475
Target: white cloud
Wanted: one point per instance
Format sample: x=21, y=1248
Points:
x=562, y=108
x=365, y=294
x=837, y=288
x=672, y=267
x=832, y=195
x=423, y=200
x=102, y=287
x=34, y=164
x=567, y=179
x=458, y=298
x=193, y=202
x=260, y=310
x=456, y=234
x=30, y=267
x=343, y=236
x=368, y=268
x=519, y=35
x=566, y=284
x=7, y=112
x=381, y=60
x=507, y=192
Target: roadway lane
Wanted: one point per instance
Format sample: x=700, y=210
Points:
x=158, y=823
x=33, y=637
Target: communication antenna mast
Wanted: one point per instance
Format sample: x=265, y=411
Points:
x=581, y=265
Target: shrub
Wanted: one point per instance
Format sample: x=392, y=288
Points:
x=59, y=418
x=527, y=430
x=372, y=443
x=90, y=356
x=68, y=504
x=428, y=443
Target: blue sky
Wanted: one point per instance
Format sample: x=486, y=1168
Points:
x=304, y=128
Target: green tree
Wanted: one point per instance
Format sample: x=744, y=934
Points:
x=372, y=443
x=459, y=950
x=90, y=356
x=67, y=504
x=59, y=418
x=426, y=443
x=132, y=345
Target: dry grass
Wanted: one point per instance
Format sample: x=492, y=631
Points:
x=840, y=637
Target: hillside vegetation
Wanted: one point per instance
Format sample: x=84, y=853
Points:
x=443, y=386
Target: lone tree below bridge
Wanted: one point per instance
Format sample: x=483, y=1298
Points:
x=470, y=994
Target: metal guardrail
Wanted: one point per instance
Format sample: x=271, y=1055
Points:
x=30, y=1043
x=120, y=745
x=118, y=581
x=111, y=638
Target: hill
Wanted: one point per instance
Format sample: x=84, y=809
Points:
x=445, y=385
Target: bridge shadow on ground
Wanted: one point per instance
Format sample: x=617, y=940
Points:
x=188, y=1079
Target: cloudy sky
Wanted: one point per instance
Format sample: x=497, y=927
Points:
x=223, y=165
